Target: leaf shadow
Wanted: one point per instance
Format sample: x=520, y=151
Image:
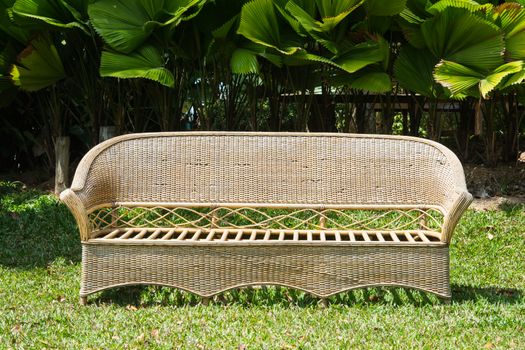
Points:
x=491, y=295
x=269, y=296
x=512, y=208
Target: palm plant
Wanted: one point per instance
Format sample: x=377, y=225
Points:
x=461, y=49
x=8, y=50
x=126, y=28
x=337, y=40
x=140, y=43
x=12, y=40
x=41, y=65
x=46, y=30
x=251, y=64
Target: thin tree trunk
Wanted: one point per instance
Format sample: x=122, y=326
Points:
x=511, y=118
x=328, y=109
x=106, y=132
x=405, y=122
x=415, y=110
x=464, y=127
x=387, y=118
x=62, y=163
x=361, y=117
x=490, y=135
x=253, y=98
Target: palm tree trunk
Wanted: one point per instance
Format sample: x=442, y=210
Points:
x=62, y=163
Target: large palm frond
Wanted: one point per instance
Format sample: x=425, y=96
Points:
x=57, y=13
x=145, y=63
x=38, y=66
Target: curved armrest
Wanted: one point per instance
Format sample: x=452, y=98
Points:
x=456, y=209
x=79, y=212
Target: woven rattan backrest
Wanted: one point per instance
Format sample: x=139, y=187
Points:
x=268, y=168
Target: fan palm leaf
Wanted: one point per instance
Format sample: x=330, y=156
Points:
x=244, y=62
x=259, y=23
x=58, y=13
x=38, y=66
x=145, y=63
x=459, y=36
x=126, y=25
x=364, y=54
x=384, y=8
x=461, y=79
x=8, y=26
x=511, y=19
x=413, y=70
x=469, y=5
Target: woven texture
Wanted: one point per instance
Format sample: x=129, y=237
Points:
x=324, y=213
x=230, y=168
x=319, y=270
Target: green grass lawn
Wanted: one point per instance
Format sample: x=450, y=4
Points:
x=39, y=284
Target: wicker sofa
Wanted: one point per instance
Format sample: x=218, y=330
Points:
x=210, y=211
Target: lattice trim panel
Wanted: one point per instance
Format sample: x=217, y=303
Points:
x=265, y=219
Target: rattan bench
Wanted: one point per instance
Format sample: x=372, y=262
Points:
x=210, y=211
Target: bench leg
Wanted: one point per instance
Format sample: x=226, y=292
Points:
x=324, y=303
x=205, y=301
x=83, y=300
x=446, y=300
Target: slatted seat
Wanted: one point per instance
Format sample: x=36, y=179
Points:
x=168, y=235
x=211, y=211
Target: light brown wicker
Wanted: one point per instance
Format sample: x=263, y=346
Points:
x=210, y=211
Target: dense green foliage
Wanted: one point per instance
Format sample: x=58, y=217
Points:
x=69, y=66
x=39, y=285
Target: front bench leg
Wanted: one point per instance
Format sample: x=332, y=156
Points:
x=323, y=302
x=446, y=300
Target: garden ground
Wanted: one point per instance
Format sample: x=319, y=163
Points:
x=39, y=283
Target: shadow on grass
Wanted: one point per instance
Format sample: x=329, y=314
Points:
x=35, y=228
x=492, y=295
x=147, y=296
x=512, y=209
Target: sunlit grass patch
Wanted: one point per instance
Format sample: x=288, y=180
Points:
x=40, y=274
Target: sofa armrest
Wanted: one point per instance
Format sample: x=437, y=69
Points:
x=78, y=210
x=454, y=212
